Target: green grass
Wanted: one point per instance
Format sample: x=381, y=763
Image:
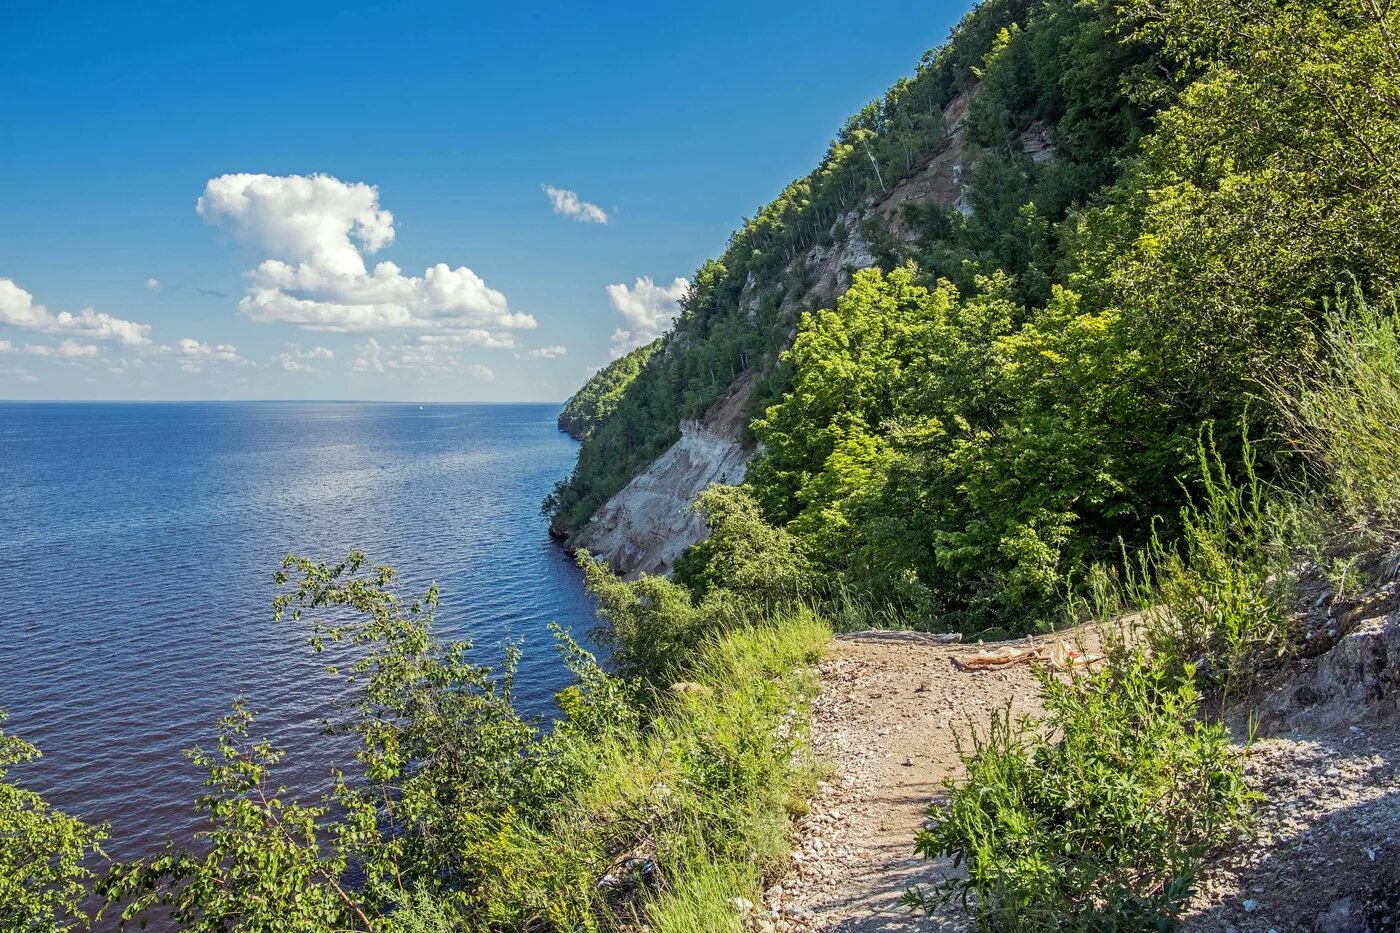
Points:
x=1343, y=414
x=708, y=788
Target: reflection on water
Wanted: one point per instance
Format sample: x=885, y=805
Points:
x=137, y=545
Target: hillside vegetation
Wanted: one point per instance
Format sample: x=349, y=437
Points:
x=1150, y=382
x=599, y=398
x=1019, y=382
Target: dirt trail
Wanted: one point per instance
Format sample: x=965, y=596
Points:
x=1322, y=855
x=885, y=721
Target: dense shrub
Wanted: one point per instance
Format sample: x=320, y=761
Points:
x=1099, y=816
x=761, y=566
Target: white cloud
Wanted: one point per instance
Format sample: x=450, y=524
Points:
x=423, y=354
x=191, y=349
x=316, y=231
x=192, y=355
x=648, y=309
x=470, y=338
x=6, y=346
x=66, y=350
x=297, y=360
x=370, y=358
x=17, y=309
x=569, y=204
x=153, y=284
x=547, y=353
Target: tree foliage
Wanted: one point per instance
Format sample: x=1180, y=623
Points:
x=743, y=306
x=601, y=394
x=1021, y=387
x=44, y=874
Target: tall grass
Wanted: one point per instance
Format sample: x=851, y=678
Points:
x=713, y=781
x=1219, y=596
x=1343, y=414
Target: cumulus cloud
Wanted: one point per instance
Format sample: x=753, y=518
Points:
x=153, y=284
x=297, y=360
x=66, y=350
x=18, y=309
x=648, y=309
x=316, y=231
x=192, y=355
x=569, y=204
x=547, y=353
x=191, y=349
x=423, y=354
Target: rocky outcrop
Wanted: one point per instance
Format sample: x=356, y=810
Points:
x=942, y=182
x=650, y=523
x=1361, y=671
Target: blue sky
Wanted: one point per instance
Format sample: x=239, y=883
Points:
x=671, y=123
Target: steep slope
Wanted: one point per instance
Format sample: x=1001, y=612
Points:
x=966, y=168
x=648, y=524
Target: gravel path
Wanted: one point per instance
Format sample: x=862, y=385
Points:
x=1324, y=853
x=885, y=722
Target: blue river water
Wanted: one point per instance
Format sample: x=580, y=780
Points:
x=137, y=547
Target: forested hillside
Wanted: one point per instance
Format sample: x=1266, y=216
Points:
x=1092, y=321
x=598, y=399
x=1093, y=229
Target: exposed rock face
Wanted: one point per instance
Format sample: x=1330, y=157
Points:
x=942, y=182
x=649, y=523
x=1036, y=142
x=1361, y=671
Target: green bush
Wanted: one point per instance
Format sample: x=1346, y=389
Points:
x=460, y=814
x=1220, y=596
x=651, y=627
x=760, y=565
x=44, y=877
x=1099, y=816
x=745, y=570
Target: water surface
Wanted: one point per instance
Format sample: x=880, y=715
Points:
x=137, y=546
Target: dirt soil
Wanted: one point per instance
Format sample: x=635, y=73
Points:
x=886, y=721
x=1323, y=854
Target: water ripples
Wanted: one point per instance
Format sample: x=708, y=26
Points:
x=137, y=545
